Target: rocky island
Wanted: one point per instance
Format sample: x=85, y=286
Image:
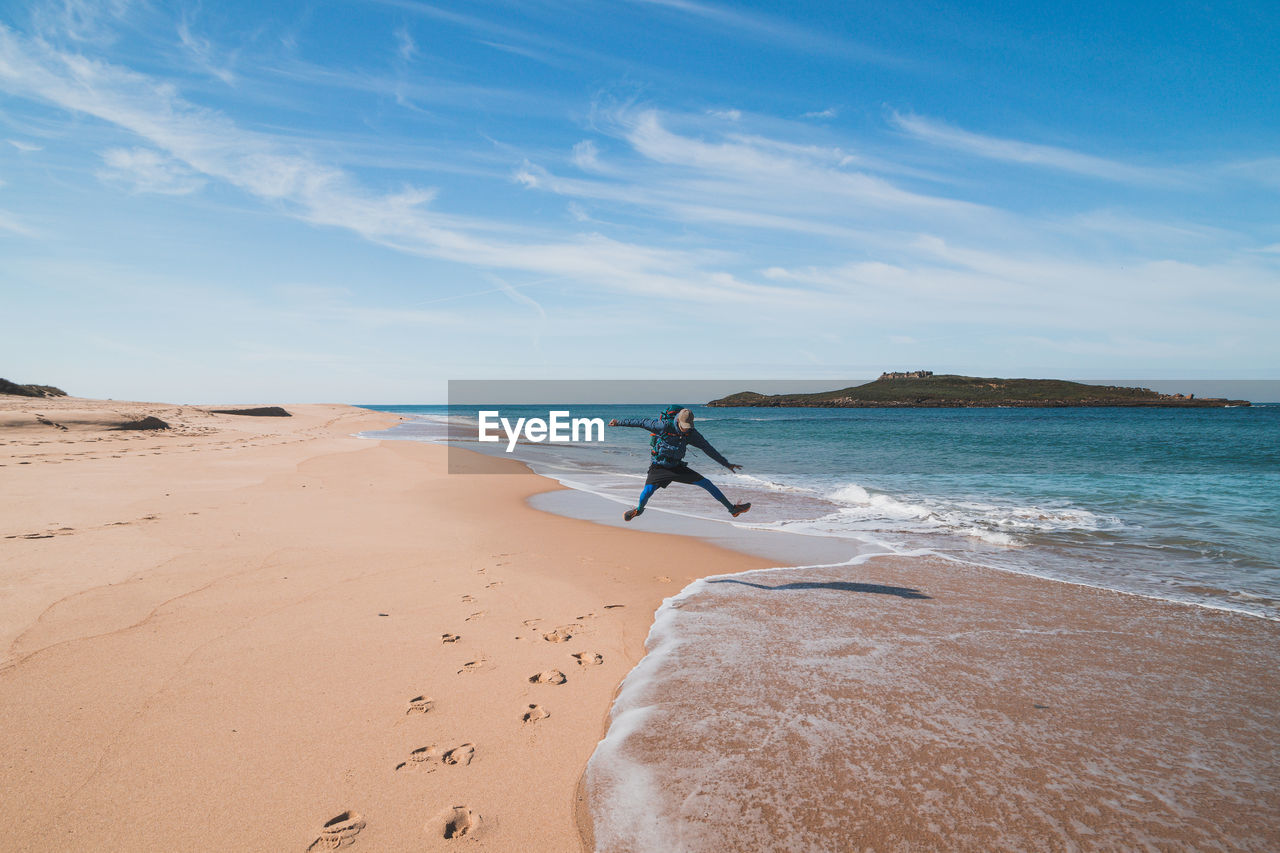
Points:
x=923, y=389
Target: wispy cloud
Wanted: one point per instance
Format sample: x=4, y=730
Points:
x=208, y=143
x=13, y=225
x=829, y=112
x=406, y=47
x=25, y=147
x=501, y=36
x=729, y=115
x=518, y=296
x=84, y=21
x=1030, y=154
x=947, y=283
x=777, y=176
x=777, y=31
x=202, y=51
x=542, y=56
x=148, y=171
x=1264, y=170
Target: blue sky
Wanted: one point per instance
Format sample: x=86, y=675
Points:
x=356, y=201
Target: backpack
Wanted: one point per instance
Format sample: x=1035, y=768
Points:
x=668, y=418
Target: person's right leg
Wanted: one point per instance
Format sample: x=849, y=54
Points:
x=645, y=494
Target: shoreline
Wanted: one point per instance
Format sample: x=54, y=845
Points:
x=544, y=501
x=201, y=613
x=365, y=500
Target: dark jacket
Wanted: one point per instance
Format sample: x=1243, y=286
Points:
x=670, y=443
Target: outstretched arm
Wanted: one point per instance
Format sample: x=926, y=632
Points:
x=696, y=439
x=651, y=424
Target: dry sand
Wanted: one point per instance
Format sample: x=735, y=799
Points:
x=228, y=634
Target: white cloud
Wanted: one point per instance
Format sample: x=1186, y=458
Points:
x=202, y=51
x=13, y=225
x=207, y=143
x=86, y=21
x=1265, y=170
x=692, y=183
x=586, y=156
x=746, y=175
x=1031, y=154
x=728, y=115
x=25, y=147
x=829, y=112
x=544, y=57
x=947, y=284
x=529, y=175
x=518, y=296
x=406, y=47
x=778, y=31
x=148, y=171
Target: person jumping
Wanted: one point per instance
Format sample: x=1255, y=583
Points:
x=670, y=435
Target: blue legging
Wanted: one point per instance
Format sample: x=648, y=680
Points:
x=650, y=488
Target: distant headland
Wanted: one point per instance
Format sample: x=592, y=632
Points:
x=922, y=389
x=13, y=388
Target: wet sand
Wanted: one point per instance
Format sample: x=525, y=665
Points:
x=917, y=704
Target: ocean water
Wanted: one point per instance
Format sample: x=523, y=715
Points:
x=824, y=706
x=1182, y=504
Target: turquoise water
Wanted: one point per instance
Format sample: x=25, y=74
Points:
x=1179, y=504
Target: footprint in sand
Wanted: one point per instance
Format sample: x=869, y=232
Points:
x=338, y=832
x=460, y=755
x=420, y=705
x=492, y=585
x=588, y=659
x=455, y=822
x=428, y=758
x=449, y=638
x=474, y=616
x=662, y=579
x=550, y=676
x=468, y=599
x=563, y=634
x=423, y=758
x=535, y=713
x=473, y=665
x=613, y=606
x=531, y=623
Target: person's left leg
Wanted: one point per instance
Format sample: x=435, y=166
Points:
x=716, y=493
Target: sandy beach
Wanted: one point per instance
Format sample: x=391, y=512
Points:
x=227, y=634
x=259, y=633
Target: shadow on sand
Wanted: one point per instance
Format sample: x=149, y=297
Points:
x=843, y=586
